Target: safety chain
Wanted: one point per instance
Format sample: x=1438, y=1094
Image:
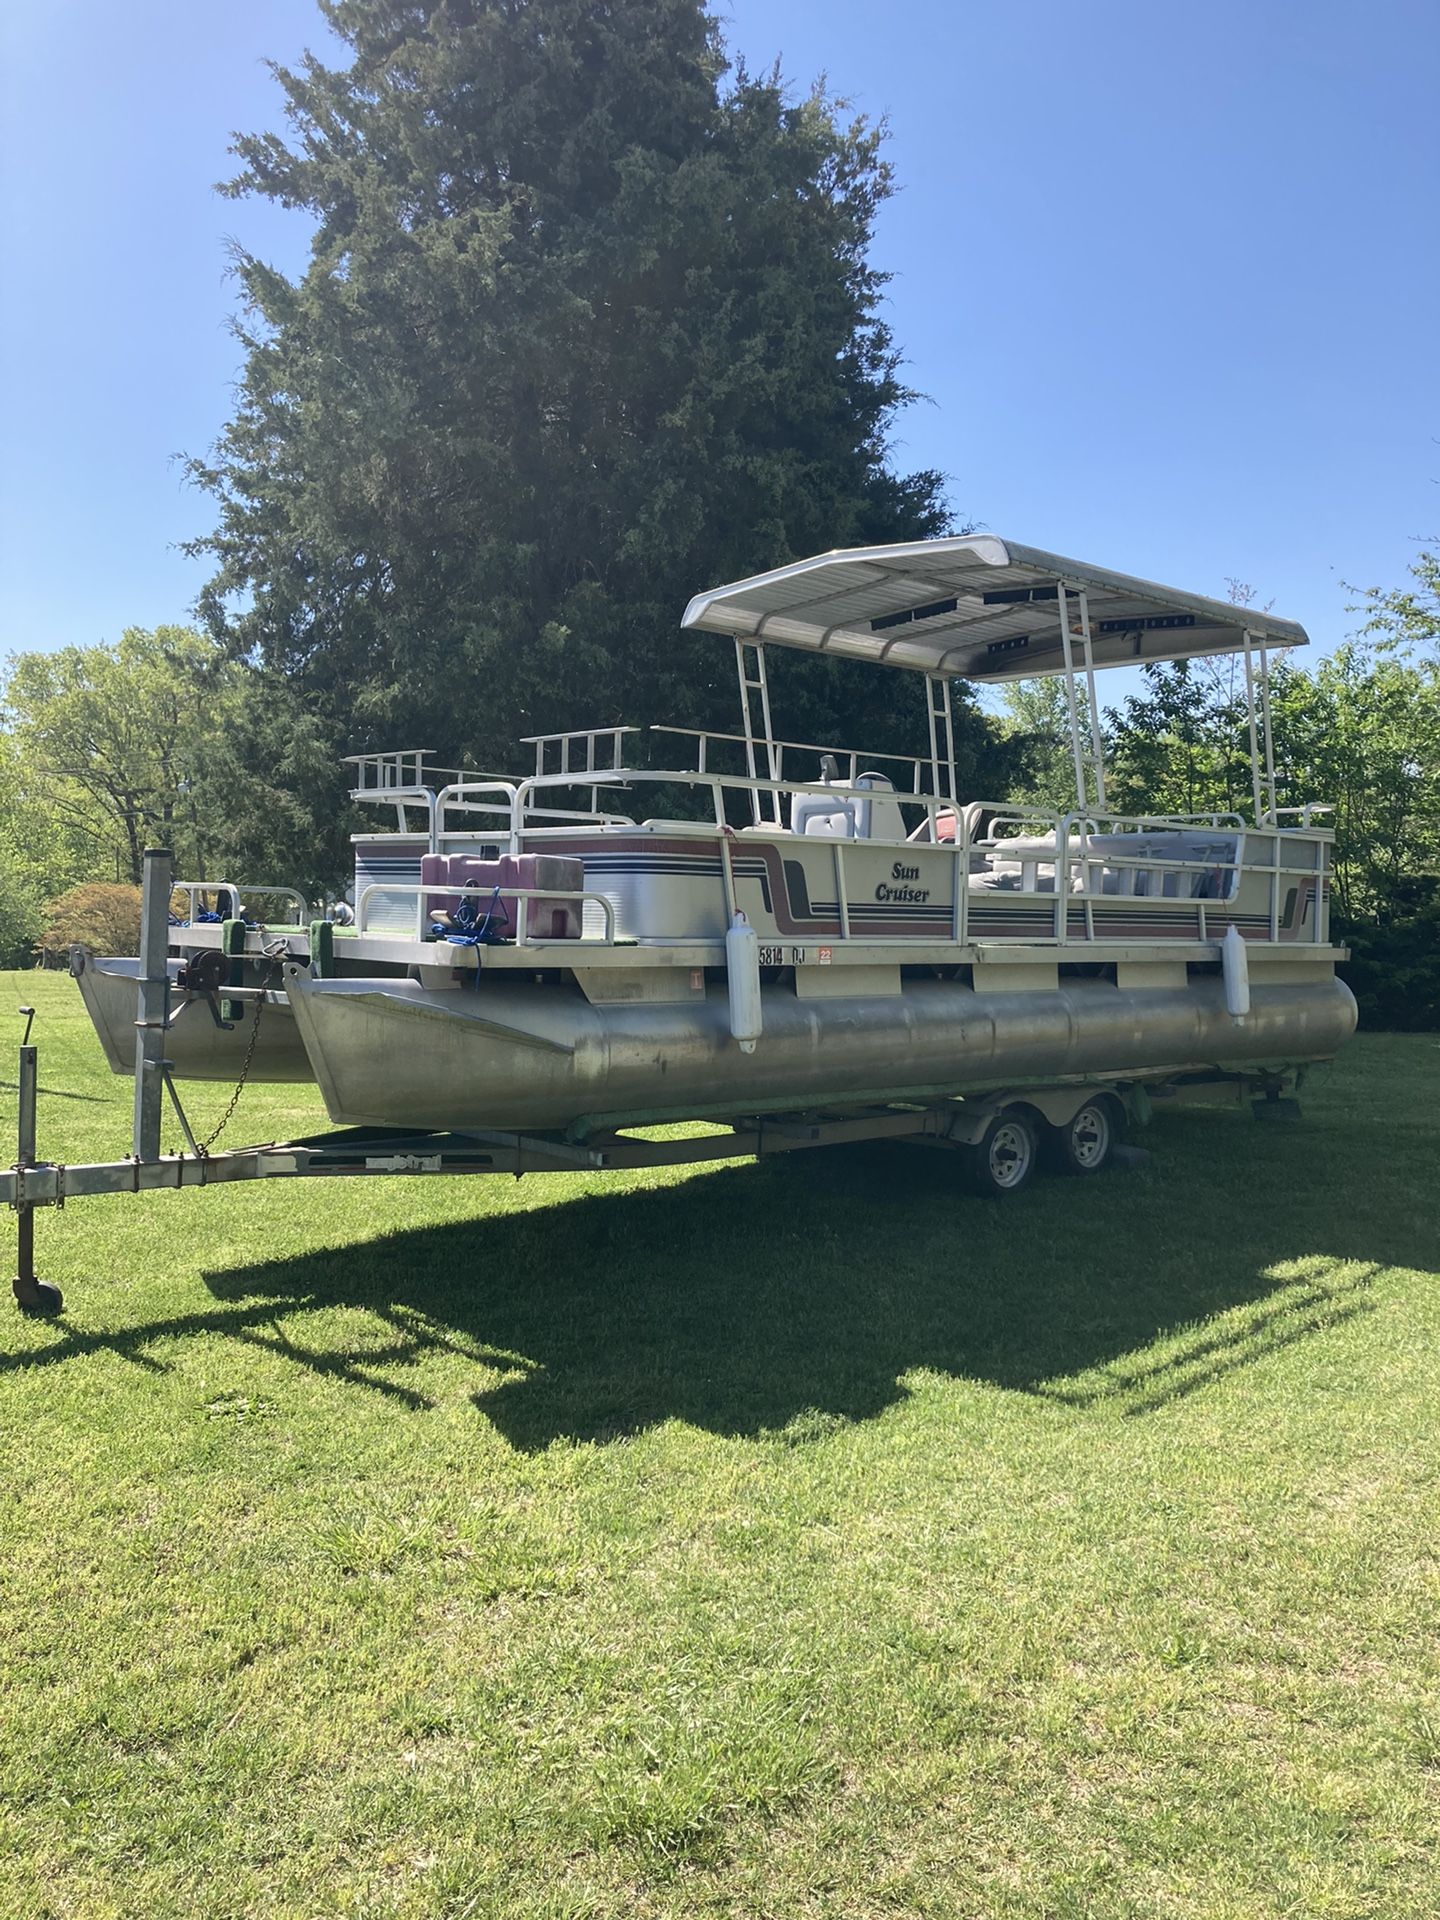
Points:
x=203, y=1147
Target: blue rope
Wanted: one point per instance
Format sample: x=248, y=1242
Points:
x=467, y=929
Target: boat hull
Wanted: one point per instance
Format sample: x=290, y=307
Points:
x=517, y=1055
x=195, y=1047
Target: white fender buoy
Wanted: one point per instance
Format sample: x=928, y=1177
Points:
x=1235, y=967
x=742, y=970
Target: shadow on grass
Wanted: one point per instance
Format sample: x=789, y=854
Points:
x=61, y=1093
x=744, y=1297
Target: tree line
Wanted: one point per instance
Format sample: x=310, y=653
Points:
x=589, y=321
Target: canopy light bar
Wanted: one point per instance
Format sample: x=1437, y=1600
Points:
x=1151, y=623
x=1017, y=596
x=932, y=612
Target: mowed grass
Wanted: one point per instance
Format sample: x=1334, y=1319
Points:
x=799, y=1539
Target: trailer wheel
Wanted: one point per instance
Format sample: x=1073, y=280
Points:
x=1083, y=1145
x=1004, y=1158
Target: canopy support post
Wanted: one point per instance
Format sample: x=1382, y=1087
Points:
x=1271, y=796
x=751, y=683
x=1097, y=745
x=1071, y=713
x=1096, y=774
x=1257, y=712
x=942, y=737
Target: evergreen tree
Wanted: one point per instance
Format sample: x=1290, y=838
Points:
x=585, y=328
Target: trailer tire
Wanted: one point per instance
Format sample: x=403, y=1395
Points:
x=1084, y=1144
x=1003, y=1159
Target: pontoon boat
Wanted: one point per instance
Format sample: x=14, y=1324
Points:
x=805, y=930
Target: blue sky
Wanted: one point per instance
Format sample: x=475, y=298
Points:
x=1167, y=275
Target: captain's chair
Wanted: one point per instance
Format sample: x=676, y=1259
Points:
x=843, y=810
x=877, y=817
x=827, y=816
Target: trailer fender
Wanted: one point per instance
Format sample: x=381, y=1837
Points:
x=1056, y=1106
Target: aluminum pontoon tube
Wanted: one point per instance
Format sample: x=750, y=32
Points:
x=196, y=1048
x=515, y=1055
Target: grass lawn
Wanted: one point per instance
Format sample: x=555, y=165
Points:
x=798, y=1539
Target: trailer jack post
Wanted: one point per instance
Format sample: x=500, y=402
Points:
x=31, y=1295
x=152, y=1013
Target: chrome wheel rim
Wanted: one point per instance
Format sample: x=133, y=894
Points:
x=1090, y=1136
x=1009, y=1155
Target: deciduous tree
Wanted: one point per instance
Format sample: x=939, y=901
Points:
x=128, y=741
x=39, y=854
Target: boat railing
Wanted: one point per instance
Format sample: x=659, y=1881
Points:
x=382, y=775
x=1304, y=817
x=199, y=890
x=716, y=786
x=522, y=896
x=851, y=760
x=398, y=779
x=1160, y=822
x=1088, y=844
x=579, y=751
x=1269, y=853
x=1066, y=854
x=1069, y=860
x=475, y=796
x=499, y=799
x=1018, y=817
x=404, y=779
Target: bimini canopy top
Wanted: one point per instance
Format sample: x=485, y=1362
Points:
x=975, y=607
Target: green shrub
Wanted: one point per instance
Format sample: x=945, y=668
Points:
x=101, y=915
x=1394, y=969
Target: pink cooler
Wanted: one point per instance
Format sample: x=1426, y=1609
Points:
x=548, y=872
